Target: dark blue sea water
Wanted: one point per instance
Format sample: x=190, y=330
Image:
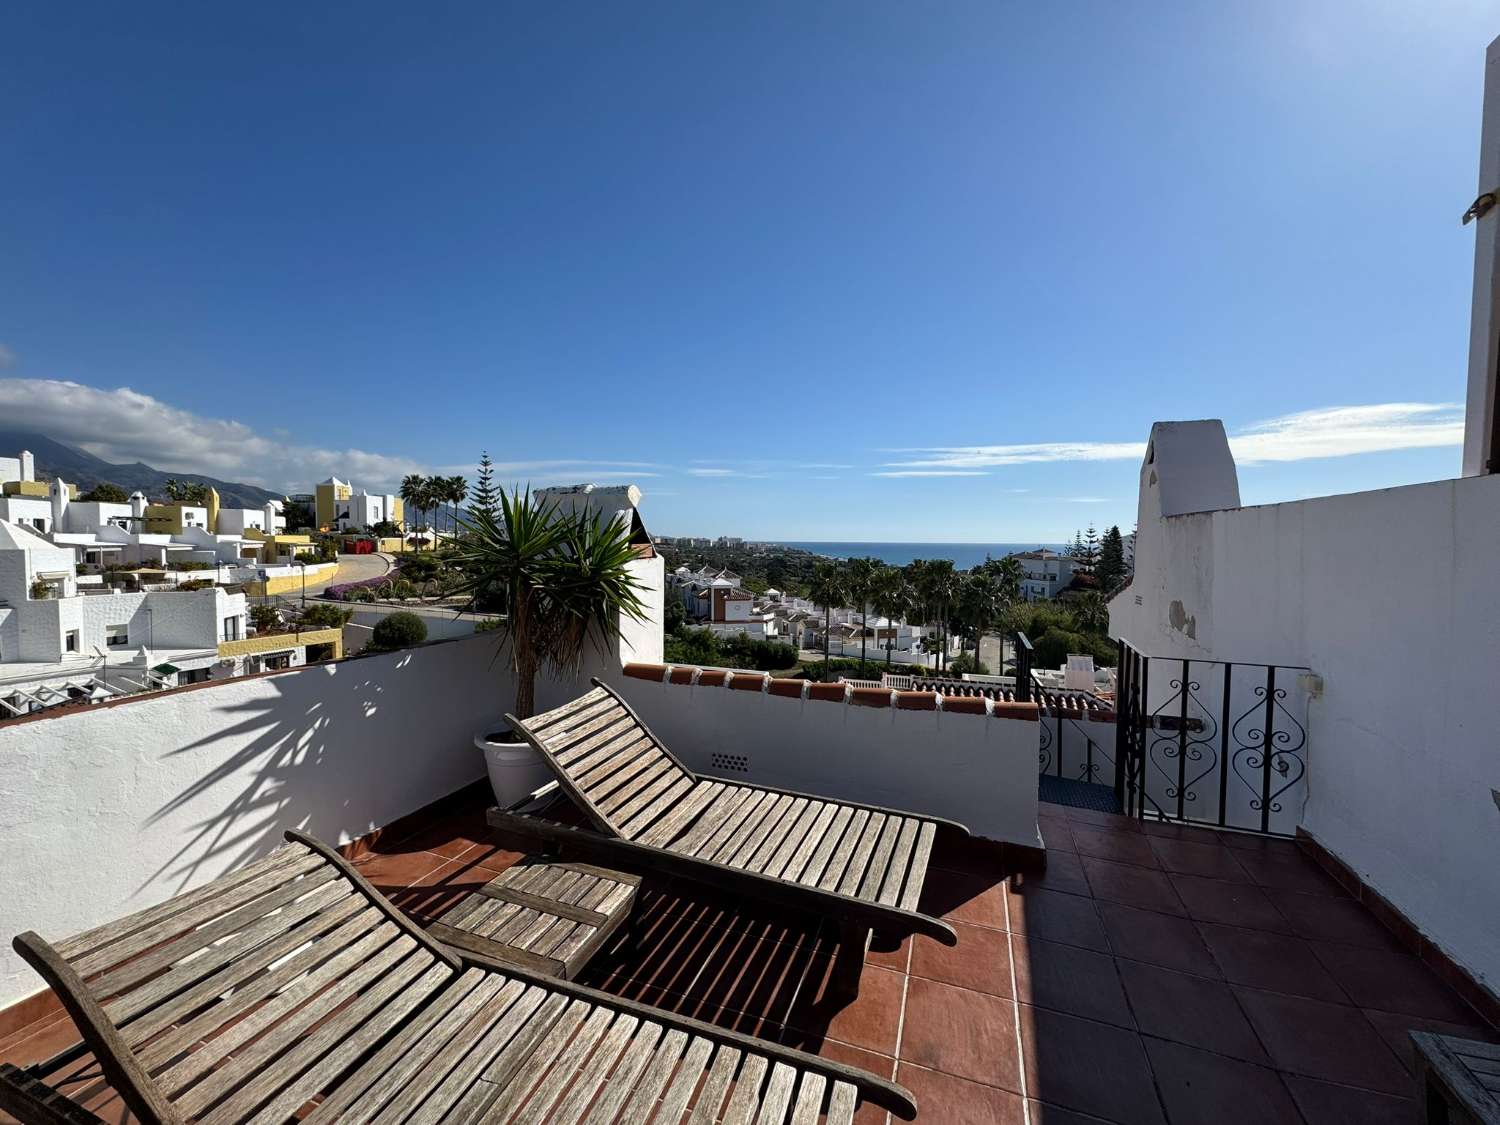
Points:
x=964, y=555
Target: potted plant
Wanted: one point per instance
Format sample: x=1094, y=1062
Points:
x=562, y=581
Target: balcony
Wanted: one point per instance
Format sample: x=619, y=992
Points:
x=1149, y=973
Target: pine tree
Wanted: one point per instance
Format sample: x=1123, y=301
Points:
x=1111, y=570
x=1088, y=556
x=486, y=497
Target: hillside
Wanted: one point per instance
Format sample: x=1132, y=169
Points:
x=54, y=459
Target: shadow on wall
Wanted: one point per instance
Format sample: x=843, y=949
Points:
x=336, y=750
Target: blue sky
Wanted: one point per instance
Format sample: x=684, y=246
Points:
x=748, y=256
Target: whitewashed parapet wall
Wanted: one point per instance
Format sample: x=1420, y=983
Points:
x=111, y=809
x=867, y=745
x=1391, y=598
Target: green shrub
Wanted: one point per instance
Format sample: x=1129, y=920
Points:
x=872, y=670
x=419, y=568
x=324, y=616
x=701, y=646
x=264, y=618
x=398, y=630
x=968, y=663
x=1053, y=646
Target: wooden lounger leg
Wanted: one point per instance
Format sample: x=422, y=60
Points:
x=849, y=962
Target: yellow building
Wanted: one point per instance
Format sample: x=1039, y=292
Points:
x=325, y=494
x=281, y=547
x=171, y=518
x=36, y=489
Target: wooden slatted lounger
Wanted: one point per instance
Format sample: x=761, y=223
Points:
x=292, y=989
x=860, y=864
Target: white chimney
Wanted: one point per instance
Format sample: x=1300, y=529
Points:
x=59, y=504
x=138, y=507
x=28, y=465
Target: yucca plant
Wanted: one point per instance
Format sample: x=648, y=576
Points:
x=558, y=577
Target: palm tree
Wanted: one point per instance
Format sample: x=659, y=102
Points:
x=859, y=579
x=559, y=578
x=938, y=589
x=893, y=598
x=827, y=589
x=980, y=605
x=411, y=495
x=1092, y=611
x=458, y=489
x=1008, y=572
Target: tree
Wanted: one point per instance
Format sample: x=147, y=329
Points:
x=827, y=589
x=322, y=615
x=265, y=618
x=1111, y=569
x=559, y=578
x=455, y=488
x=1091, y=611
x=486, y=497
x=980, y=604
x=942, y=585
x=105, y=493
x=401, y=629
x=859, y=581
x=893, y=598
x=1088, y=555
x=299, y=516
x=411, y=494
x=186, y=491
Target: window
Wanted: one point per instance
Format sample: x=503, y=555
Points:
x=117, y=636
x=70, y=641
x=231, y=628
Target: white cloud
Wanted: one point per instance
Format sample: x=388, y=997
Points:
x=930, y=472
x=1337, y=431
x=712, y=473
x=123, y=425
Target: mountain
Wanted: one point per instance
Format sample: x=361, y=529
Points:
x=54, y=459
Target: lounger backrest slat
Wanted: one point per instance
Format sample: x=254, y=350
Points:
x=620, y=776
x=243, y=999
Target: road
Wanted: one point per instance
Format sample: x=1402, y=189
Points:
x=352, y=568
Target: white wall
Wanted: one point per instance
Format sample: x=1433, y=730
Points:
x=1391, y=597
x=977, y=770
x=127, y=805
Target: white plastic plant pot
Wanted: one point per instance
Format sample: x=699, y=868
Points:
x=515, y=769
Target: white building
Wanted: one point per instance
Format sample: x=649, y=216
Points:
x=364, y=510
x=62, y=638
x=1047, y=574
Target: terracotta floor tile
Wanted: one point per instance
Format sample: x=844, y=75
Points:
x=434, y=894
x=1135, y=886
x=1188, y=1009
x=1168, y=831
x=1063, y=872
x=1289, y=872
x=961, y=1032
x=957, y=1101
x=1234, y=904
x=976, y=899
x=1055, y=916
x=1342, y=920
x=980, y=960
x=1055, y=835
x=1122, y=847
x=764, y=978
x=1275, y=962
x=1391, y=981
x=1068, y=979
x=392, y=874
x=448, y=837
x=1395, y=1029
x=1160, y=939
x=1189, y=857
x=1086, y=1066
x=898, y=958
x=1106, y=820
x=869, y=1021
x=1200, y=1086
x=1043, y=1113
x=1262, y=845
x=1333, y=1042
x=48, y=1039
x=883, y=1065
x=1323, y=1103
x=971, y=855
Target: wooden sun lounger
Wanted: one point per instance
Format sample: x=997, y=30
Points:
x=292, y=989
x=860, y=864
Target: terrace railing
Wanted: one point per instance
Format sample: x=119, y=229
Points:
x=1217, y=743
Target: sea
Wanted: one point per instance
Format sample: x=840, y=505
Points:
x=965, y=556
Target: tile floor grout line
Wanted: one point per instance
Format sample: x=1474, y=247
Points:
x=1015, y=1006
